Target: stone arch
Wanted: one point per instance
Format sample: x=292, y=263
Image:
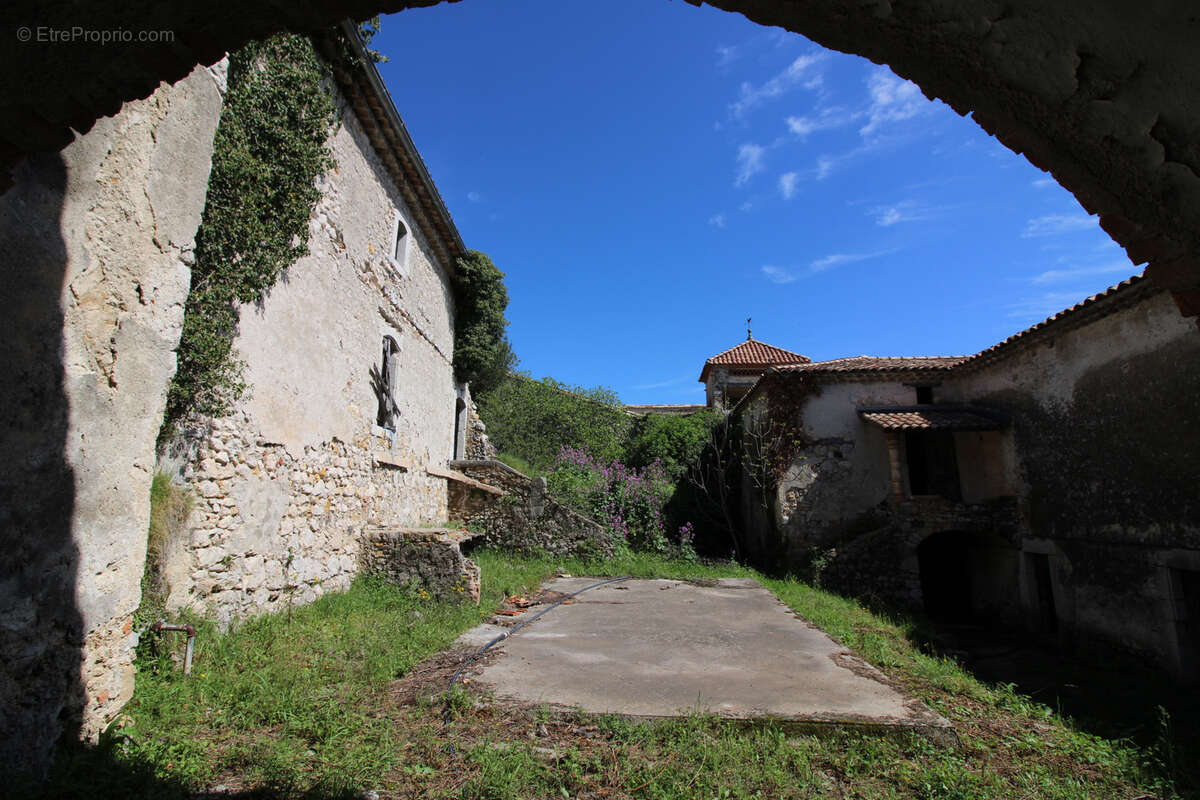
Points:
x=1099, y=94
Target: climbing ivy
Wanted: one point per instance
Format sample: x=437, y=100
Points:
x=269, y=150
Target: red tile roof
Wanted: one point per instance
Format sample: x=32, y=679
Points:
x=932, y=417
x=877, y=364
x=664, y=408
x=753, y=353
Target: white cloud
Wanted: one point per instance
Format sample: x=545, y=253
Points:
x=838, y=259
x=1037, y=308
x=825, y=119
x=717, y=220
x=779, y=274
x=1060, y=275
x=801, y=72
x=727, y=54
x=787, y=185
x=904, y=211
x=475, y=197
x=893, y=100
x=667, y=383
x=1055, y=224
x=1042, y=183
x=750, y=162
x=746, y=206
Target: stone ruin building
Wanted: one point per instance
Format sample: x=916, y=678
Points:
x=1046, y=483
x=104, y=159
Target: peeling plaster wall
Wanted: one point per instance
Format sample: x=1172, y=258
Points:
x=96, y=245
x=287, y=483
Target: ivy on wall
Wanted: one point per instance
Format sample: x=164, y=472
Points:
x=270, y=148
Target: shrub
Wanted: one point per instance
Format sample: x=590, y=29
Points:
x=483, y=355
x=626, y=500
x=673, y=441
x=534, y=419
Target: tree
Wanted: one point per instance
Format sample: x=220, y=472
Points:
x=483, y=355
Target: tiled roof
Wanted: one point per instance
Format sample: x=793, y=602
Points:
x=872, y=364
x=1114, y=298
x=932, y=417
x=662, y=408
x=753, y=353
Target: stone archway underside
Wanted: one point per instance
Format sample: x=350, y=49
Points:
x=1103, y=94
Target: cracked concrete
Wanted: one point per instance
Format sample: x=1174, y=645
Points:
x=660, y=648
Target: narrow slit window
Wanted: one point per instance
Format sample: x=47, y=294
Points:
x=400, y=250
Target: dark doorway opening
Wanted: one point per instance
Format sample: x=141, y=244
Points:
x=1185, y=586
x=1043, y=588
x=932, y=464
x=945, y=578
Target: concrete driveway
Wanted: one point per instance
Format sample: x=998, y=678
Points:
x=660, y=648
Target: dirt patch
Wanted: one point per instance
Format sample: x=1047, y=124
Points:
x=430, y=679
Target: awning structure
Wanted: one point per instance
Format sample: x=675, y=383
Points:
x=934, y=418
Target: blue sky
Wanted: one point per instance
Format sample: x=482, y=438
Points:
x=649, y=174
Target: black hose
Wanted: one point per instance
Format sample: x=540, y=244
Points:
x=523, y=623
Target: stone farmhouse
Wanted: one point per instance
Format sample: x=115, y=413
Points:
x=351, y=418
x=1048, y=482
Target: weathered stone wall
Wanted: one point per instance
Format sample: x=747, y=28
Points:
x=430, y=559
x=95, y=248
x=1106, y=426
x=479, y=446
x=525, y=517
x=286, y=484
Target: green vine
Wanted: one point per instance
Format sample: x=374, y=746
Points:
x=270, y=148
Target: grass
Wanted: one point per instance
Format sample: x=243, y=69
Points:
x=307, y=704
x=520, y=465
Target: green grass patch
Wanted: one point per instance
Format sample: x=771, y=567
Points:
x=304, y=704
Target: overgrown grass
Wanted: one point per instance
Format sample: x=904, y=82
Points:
x=519, y=464
x=304, y=703
x=170, y=506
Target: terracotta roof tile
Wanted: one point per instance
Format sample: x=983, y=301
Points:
x=867, y=364
x=932, y=417
x=753, y=353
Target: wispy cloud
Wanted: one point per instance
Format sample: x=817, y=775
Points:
x=1056, y=224
x=667, y=383
x=824, y=119
x=1044, y=305
x=893, y=100
x=475, y=197
x=749, y=162
x=1071, y=273
x=840, y=259
x=803, y=71
x=1042, y=183
x=717, y=220
x=779, y=274
x=746, y=206
x=904, y=211
x=787, y=185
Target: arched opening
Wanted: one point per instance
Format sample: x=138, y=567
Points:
x=969, y=578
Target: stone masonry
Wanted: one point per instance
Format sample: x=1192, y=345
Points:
x=428, y=558
x=524, y=517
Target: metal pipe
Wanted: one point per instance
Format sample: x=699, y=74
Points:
x=190, y=630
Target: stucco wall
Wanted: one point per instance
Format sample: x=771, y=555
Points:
x=95, y=248
x=286, y=484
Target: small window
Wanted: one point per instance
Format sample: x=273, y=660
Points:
x=385, y=384
x=400, y=247
x=924, y=395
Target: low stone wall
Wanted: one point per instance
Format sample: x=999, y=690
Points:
x=524, y=517
x=269, y=529
x=428, y=557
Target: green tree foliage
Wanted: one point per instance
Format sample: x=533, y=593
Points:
x=269, y=150
x=535, y=419
x=674, y=441
x=483, y=355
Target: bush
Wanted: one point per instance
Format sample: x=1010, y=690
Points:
x=628, y=501
x=483, y=355
x=534, y=420
x=673, y=441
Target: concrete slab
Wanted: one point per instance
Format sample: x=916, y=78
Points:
x=658, y=648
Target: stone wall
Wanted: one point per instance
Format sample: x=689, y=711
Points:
x=286, y=484
x=430, y=559
x=95, y=246
x=524, y=517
